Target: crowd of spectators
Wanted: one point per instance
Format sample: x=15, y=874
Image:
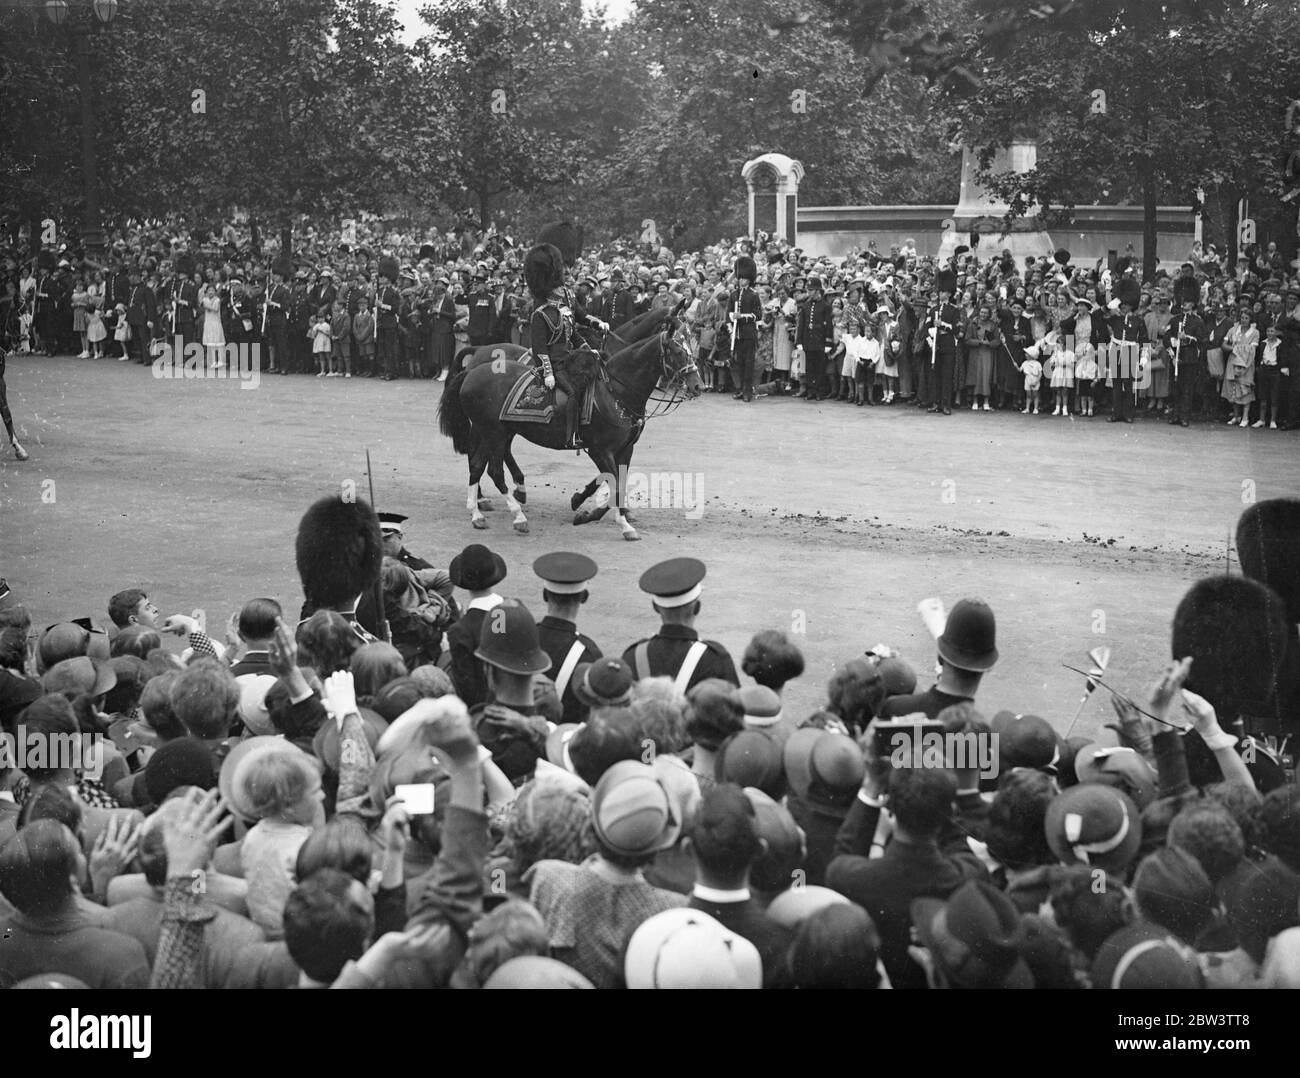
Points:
x=315, y=807
x=1209, y=341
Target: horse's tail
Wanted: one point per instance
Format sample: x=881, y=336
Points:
x=458, y=361
x=452, y=418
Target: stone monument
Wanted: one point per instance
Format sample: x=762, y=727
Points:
x=978, y=221
x=773, y=181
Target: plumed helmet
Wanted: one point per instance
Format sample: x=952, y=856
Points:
x=543, y=270
x=339, y=551
x=565, y=236
x=388, y=268
x=745, y=268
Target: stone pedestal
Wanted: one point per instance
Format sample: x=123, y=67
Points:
x=773, y=182
x=978, y=223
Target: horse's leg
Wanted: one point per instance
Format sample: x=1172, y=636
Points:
x=500, y=445
x=585, y=493
x=516, y=473
x=622, y=458
x=477, y=462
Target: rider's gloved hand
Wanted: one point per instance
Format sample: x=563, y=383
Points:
x=550, y=381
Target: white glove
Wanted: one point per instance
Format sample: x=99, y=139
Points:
x=550, y=382
x=604, y=326
x=340, y=695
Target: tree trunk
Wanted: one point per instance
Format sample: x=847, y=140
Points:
x=1228, y=197
x=1148, y=224
x=483, y=202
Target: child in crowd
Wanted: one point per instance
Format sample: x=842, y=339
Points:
x=363, y=332
x=1086, y=371
x=1267, y=376
x=891, y=347
x=281, y=788
x=1032, y=370
x=122, y=332
x=341, y=336
x=320, y=341
x=80, y=301
x=95, y=332
x=870, y=355
x=1062, y=380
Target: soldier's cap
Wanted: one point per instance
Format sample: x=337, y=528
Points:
x=235, y=280
x=565, y=573
x=391, y=522
x=675, y=582
x=300, y=275
x=327, y=272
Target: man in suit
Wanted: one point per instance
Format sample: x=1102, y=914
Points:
x=744, y=313
x=724, y=843
x=478, y=570
x=815, y=333
x=504, y=312
x=117, y=289
x=300, y=311
x=256, y=628
x=565, y=578
x=911, y=864
x=677, y=651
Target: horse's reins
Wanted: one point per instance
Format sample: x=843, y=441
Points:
x=665, y=374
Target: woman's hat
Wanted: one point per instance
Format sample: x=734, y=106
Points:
x=606, y=682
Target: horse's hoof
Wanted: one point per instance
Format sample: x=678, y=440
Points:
x=485, y=506
x=632, y=537
x=576, y=501
x=521, y=526
x=480, y=524
x=521, y=495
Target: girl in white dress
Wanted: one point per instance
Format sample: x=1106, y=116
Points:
x=214, y=335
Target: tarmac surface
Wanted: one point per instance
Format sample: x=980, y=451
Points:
x=823, y=519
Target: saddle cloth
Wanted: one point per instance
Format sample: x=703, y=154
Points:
x=529, y=401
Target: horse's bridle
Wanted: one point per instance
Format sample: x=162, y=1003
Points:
x=668, y=377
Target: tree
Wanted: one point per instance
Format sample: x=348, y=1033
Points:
x=1131, y=100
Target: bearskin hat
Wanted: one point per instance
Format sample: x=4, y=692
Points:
x=745, y=269
x=1268, y=547
x=1234, y=630
x=946, y=281
x=185, y=264
x=389, y=268
x=45, y=260
x=1062, y=256
x=339, y=551
x=565, y=236
x=283, y=267
x=428, y=250
x=1128, y=291
x=543, y=270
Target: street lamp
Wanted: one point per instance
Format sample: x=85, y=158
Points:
x=57, y=11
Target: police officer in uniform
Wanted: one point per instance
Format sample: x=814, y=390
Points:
x=946, y=323
x=1186, y=335
x=117, y=289
x=744, y=312
x=615, y=305
x=676, y=650
x=185, y=294
x=565, y=577
x=299, y=316
x=564, y=361
x=278, y=300
x=815, y=332
x=45, y=308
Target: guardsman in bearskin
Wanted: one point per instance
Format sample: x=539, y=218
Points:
x=744, y=313
x=278, y=302
x=388, y=308
x=946, y=322
x=676, y=650
x=1269, y=551
x=185, y=295
x=564, y=361
x=339, y=552
x=565, y=576
x=1185, y=337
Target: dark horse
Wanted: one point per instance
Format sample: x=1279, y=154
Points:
x=633, y=331
x=472, y=401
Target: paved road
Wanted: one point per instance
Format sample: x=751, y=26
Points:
x=823, y=519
